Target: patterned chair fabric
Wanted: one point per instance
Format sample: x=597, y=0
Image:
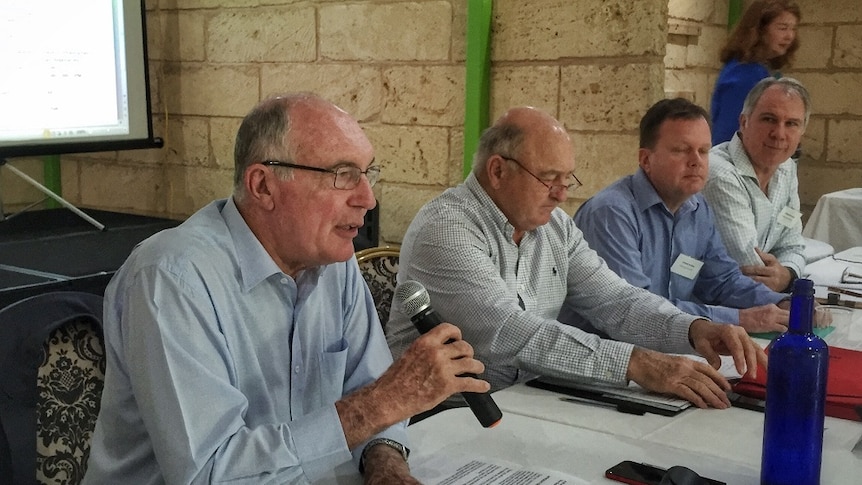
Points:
x=379, y=266
x=52, y=367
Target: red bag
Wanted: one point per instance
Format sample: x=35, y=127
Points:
x=843, y=384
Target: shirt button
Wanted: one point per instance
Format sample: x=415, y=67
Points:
x=284, y=281
x=296, y=369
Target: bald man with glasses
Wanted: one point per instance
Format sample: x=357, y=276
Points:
x=500, y=259
x=243, y=346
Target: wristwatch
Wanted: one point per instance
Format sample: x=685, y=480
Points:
x=405, y=452
x=793, y=278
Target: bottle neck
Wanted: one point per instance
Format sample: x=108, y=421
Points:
x=801, y=313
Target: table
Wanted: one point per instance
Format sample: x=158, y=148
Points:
x=827, y=272
x=540, y=432
x=835, y=219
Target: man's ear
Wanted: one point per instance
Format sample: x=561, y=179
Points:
x=260, y=185
x=743, y=120
x=494, y=170
x=644, y=159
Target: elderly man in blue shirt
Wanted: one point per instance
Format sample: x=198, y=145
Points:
x=243, y=346
x=655, y=229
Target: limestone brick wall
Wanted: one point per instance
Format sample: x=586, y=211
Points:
x=829, y=63
x=398, y=66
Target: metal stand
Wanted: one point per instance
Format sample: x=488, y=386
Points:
x=49, y=193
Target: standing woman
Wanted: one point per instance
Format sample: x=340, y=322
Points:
x=763, y=41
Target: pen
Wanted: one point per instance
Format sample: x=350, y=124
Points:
x=844, y=292
x=621, y=407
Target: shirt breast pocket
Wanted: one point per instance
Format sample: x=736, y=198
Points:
x=331, y=371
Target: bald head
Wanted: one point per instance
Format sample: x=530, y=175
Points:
x=291, y=127
x=518, y=129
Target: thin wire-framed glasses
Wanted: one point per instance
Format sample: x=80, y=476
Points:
x=568, y=189
x=849, y=276
x=346, y=177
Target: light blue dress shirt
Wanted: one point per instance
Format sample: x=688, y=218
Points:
x=221, y=368
x=746, y=217
x=629, y=225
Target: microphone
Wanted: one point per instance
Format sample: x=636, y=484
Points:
x=416, y=303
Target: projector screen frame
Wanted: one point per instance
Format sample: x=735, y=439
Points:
x=141, y=135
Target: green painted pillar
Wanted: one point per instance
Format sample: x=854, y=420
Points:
x=734, y=11
x=478, y=78
x=52, y=178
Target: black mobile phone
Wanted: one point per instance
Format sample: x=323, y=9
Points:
x=634, y=473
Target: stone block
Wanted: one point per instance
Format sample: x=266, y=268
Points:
x=704, y=50
x=398, y=206
x=222, y=137
x=677, y=50
x=602, y=158
x=536, y=86
x=456, y=156
x=690, y=84
x=424, y=95
x=411, y=154
x=16, y=193
x=187, y=141
x=459, y=30
x=696, y=10
x=211, y=4
x=814, y=139
x=123, y=188
x=154, y=34
x=608, y=97
x=183, y=37
x=818, y=179
x=848, y=46
x=555, y=29
x=831, y=11
x=402, y=31
x=356, y=88
x=263, y=34
x=815, y=47
x=833, y=93
x=208, y=90
x=190, y=188
x=844, y=144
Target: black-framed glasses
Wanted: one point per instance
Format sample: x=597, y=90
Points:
x=568, y=189
x=346, y=177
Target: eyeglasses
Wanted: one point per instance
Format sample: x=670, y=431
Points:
x=848, y=276
x=346, y=177
x=568, y=189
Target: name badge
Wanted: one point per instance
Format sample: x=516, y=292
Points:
x=686, y=266
x=788, y=216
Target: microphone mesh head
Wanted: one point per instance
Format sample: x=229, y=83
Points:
x=413, y=297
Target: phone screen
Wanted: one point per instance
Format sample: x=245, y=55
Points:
x=635, y=473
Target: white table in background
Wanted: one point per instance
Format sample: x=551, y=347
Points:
x=836, y=219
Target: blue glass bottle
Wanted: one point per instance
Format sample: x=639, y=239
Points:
x=795, y=398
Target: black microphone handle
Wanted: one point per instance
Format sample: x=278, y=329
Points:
x=481, y=403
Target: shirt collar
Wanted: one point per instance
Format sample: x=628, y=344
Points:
x=492, y=211
x=739, y=159
x=646, y=196
x=255, y=264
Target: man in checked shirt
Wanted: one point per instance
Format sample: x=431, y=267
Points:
x=500, y=260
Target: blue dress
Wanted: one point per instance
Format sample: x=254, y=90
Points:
x=732, y=86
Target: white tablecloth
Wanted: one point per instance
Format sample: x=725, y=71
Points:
x=837, y=219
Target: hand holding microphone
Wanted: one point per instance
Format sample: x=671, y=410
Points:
x=415, y=301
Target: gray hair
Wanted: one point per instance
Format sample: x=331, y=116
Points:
x=788, y=85
x=504, y=139
x=263, y=135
